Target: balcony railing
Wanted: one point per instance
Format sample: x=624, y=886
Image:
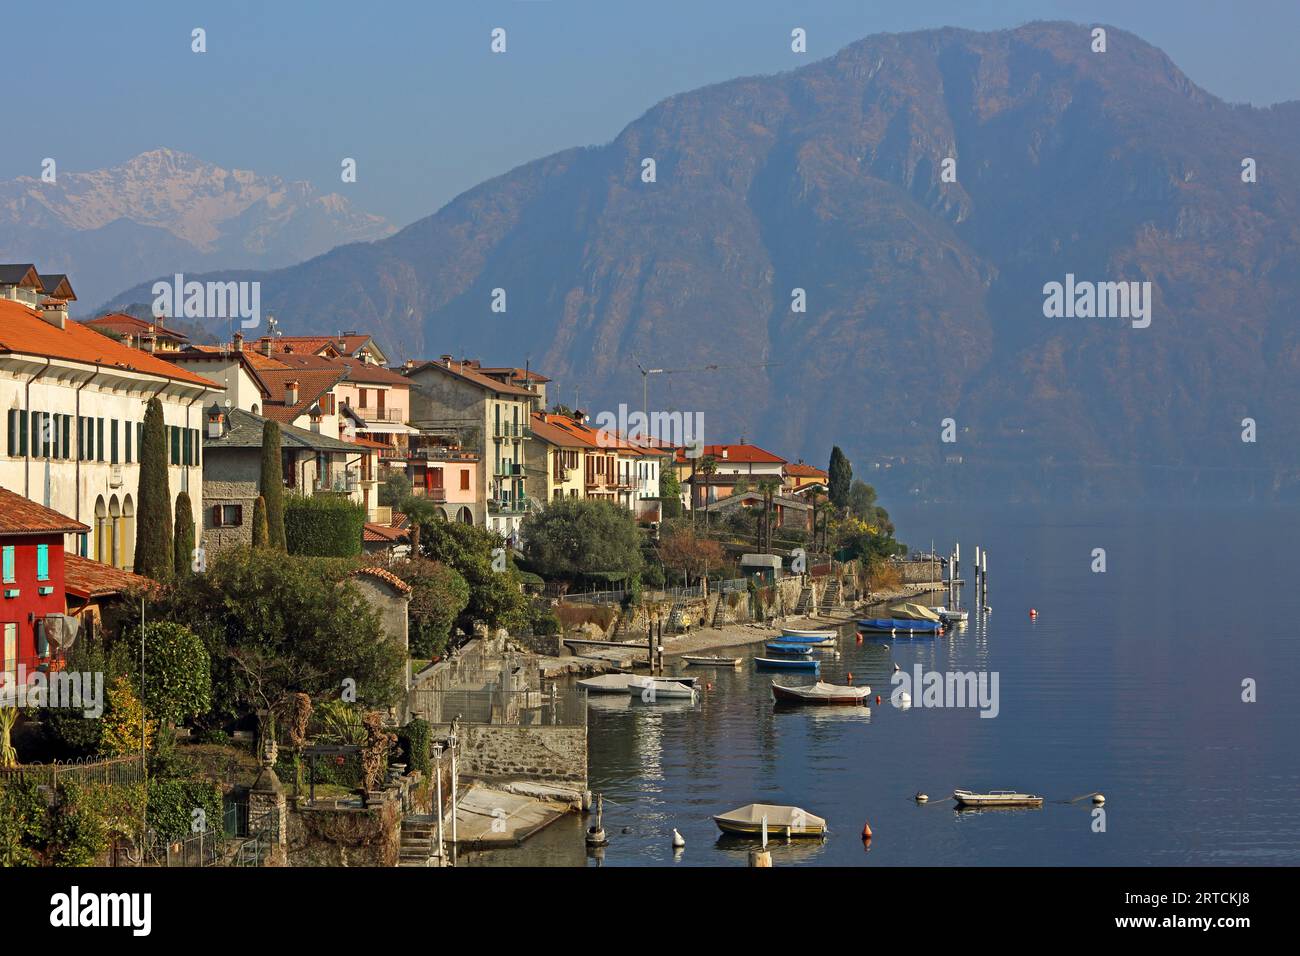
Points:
x=382, y=414
x=510, y=430
x=510, y=506
x=442, y=454
x=508, y=470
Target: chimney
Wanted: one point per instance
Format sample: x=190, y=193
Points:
x=724, y=451
x=446, y=360
x=291, y=394
x=266, y=346
x=55, y=313
x=216, y=421
x=237, y=342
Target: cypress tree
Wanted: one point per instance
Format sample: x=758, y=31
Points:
x=273, y=485
x=260, y=533
x=183, y=545
x=153, y=522
x=841, y=478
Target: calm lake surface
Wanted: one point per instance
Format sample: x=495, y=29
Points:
x=1129, y=683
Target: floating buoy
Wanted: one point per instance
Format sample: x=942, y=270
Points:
x=866, y=832
x=1033, y=612
x=678, y=841
x=1098, y=799
x=896, y=667
x=922, y=797
x=849, y=678
x=859, y=637
x=904, y=698
x=708, y=685
x=877, y=700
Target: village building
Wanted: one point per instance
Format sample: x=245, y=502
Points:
x=310, y=463
x=151, y=336
x=801, y=478
x=490, y=416
x=735, y=468
x=72, y=405
x=352, y=345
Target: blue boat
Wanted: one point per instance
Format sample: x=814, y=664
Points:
x=809, y=641
x=783, y=647
x=788, y=664
x=891, y=625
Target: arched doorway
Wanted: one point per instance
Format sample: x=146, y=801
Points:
x=442, y=513
x=464, y=515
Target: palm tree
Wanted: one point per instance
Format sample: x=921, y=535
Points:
x=709, y=468
x=768, y=488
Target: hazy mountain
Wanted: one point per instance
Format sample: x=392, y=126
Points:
x=925, y=298
x=165, y=211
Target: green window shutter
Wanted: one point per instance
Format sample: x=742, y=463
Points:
x=22, y=434
x=42, y=562
x=176, y=445
x=99, y=439
x=12, y=434
x=8, y=570
x=112, y=430
x=130, y=434
x=67, y=436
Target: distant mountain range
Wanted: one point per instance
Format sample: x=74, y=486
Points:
x=925, y=298
x=164, y=211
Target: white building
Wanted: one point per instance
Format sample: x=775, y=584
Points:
x=72, y=404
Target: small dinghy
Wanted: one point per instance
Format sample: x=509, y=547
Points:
x=951, y=615
x=788, y=664
x=606, y=684
x=712, y=661
x=996, y=798
x=650, y=689
x=787, y=649
x=820, y=635
x=820, y=693
x=781, y=821
x=806, y=641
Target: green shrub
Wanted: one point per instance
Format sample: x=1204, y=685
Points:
x=323, y=525
x=172, y=804
x=414, y=738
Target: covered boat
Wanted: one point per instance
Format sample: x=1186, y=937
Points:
x=820, y=693
x=996, y=798
x=890, y=625
x=788, y=664
x=795, y=632
x=781, y=821
x=606, y=684
x=913, y=612
x=781, y=647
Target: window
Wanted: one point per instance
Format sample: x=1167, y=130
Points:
x=227, y=516
x=42, y=562
x=99, y=439
x=9, y=564
x=130, y=433
x=189, y=447
x=66, y=432
x=361, y=400
x=112, y=431
x=464, y=479
x=176, y=444
x=42, y=641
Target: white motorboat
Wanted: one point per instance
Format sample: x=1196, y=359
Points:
x=950, y=615
x=996, y=798
x=651, y=689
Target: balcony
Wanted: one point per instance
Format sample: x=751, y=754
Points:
x=344, y=484
x=397, y=415
x=508, y=470
x=441, y=454
x=509, y=430
x=510, y=506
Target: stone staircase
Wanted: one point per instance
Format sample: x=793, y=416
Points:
x=419, y=841
x=831, y=596
x=805, y=603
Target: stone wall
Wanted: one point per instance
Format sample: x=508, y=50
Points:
x=231, y=476
x=346, y=836
x=920, y=572
x=552, y=754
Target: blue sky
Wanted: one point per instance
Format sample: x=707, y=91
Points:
x=412, y=92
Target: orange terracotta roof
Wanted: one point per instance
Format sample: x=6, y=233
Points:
x=800, y=470
x=358, y=371
x=124, y=324
x=24, y=332
x=379, y=532
x=383, y=574
x=19, y=515
x=312, y=384
x=368, y=443
x=744, y=453
x=87, y=579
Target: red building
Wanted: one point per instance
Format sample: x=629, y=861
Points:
x=31, y=583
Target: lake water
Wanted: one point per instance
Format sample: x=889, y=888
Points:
x=1129, y=682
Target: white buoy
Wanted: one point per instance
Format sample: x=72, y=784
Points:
x=678, y=841
x=1098, y=799
x=922, y=798
x=896, y=667
x=904, y=698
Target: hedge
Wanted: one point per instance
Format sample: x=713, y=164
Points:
x=323, y=525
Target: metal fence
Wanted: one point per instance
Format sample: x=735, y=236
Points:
x=595, y=597
x=115, y=771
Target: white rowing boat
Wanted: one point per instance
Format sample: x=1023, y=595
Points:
x=822, y=635
x=996, y=798
x=712, y=661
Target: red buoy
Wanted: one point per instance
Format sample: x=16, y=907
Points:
x=877, y=699
x=1033, y=612
x=859, y=637
x=866, y=832
x=850, y=677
